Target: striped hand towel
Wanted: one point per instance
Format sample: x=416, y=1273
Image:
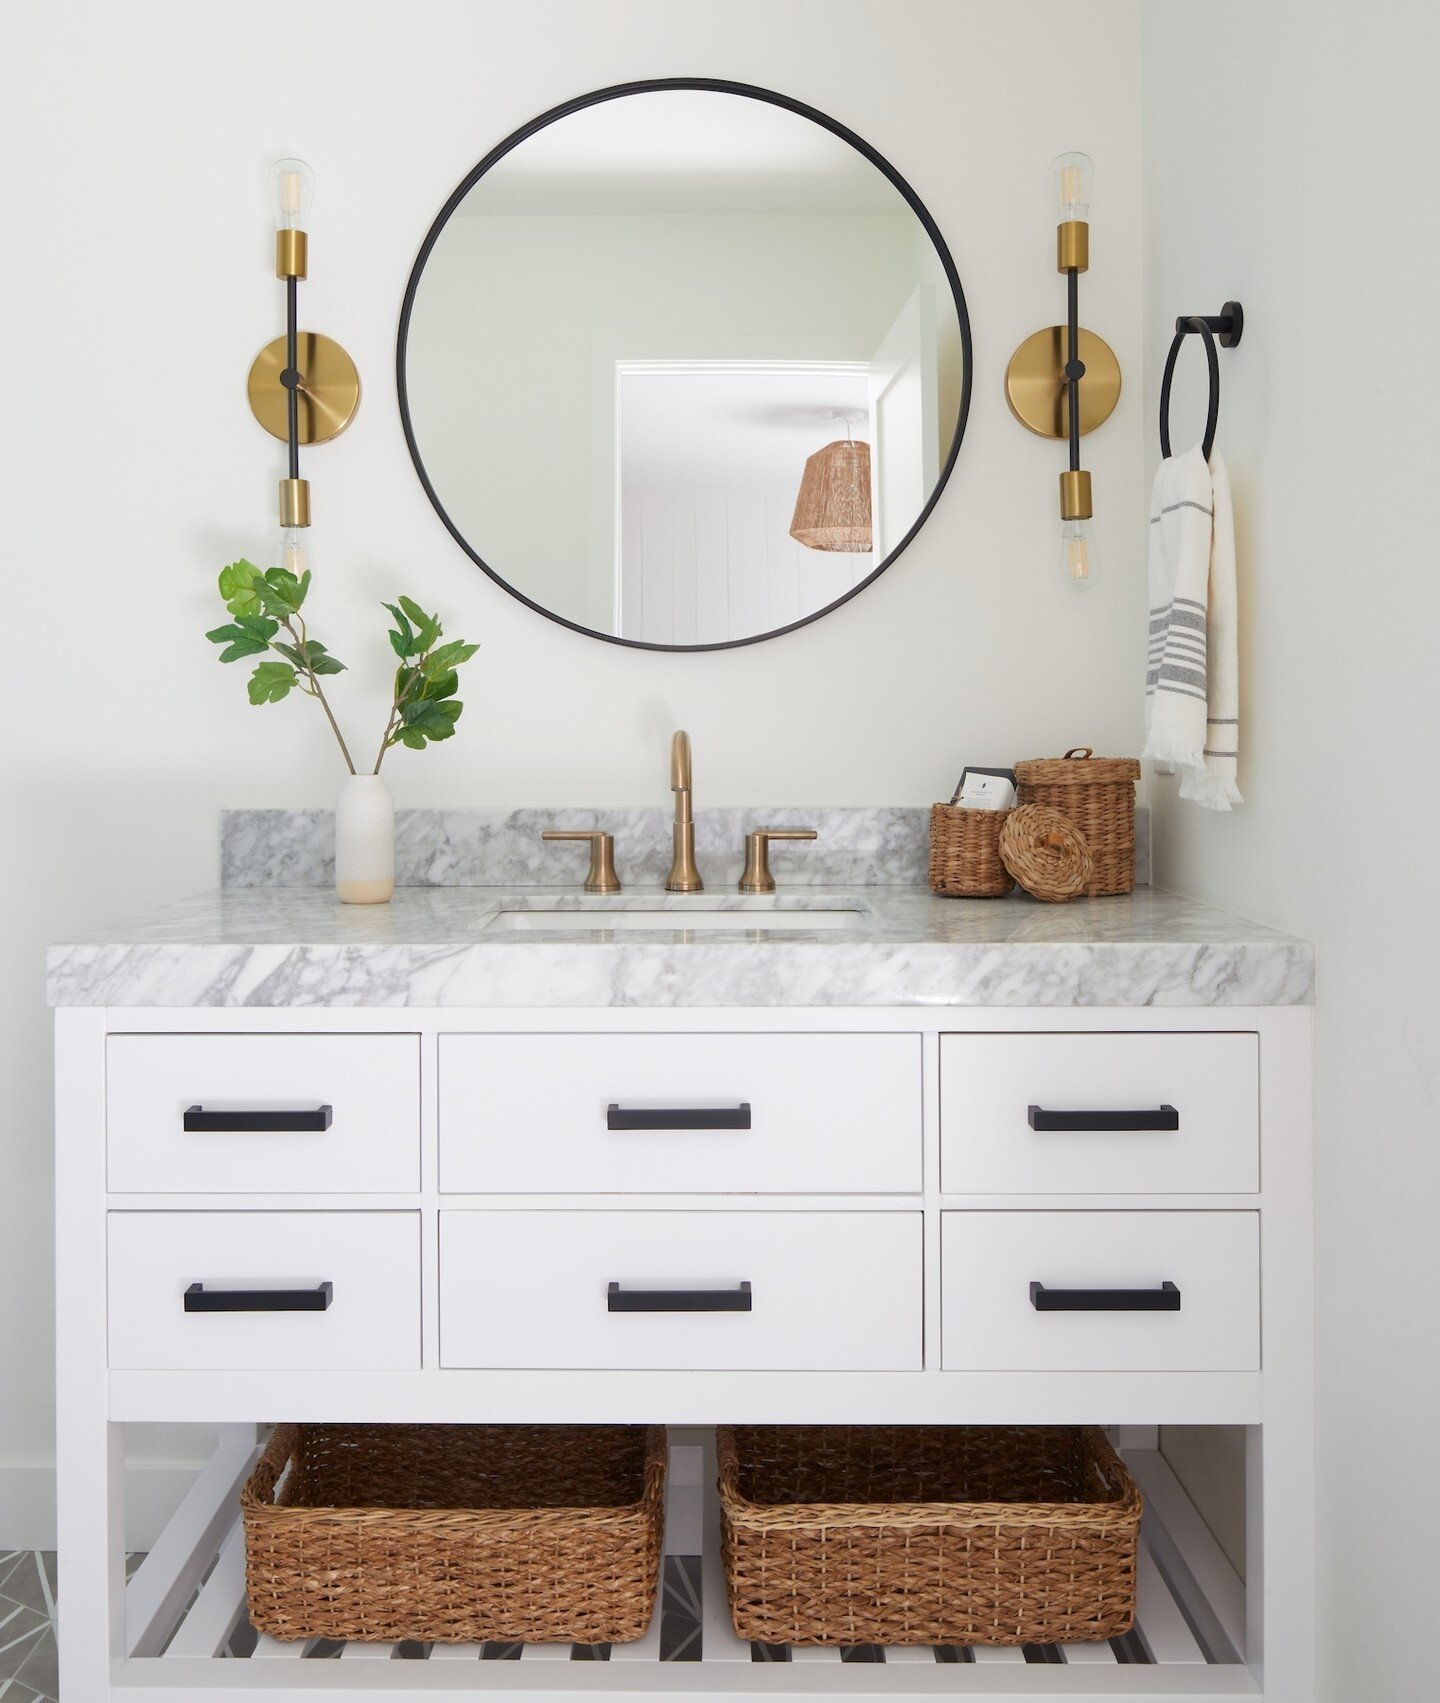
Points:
x=1191, y=673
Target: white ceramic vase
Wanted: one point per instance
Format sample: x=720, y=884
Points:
x=364, y=842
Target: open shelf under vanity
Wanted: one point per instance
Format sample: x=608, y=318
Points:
x=187, y=1634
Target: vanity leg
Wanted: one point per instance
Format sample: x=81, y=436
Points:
x=89, y=1449
x=90, y=1527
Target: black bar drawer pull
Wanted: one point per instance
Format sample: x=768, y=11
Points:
x=258, y=1123
x=199, y=1299
x=678, y=1117
x=1165, y=1299
x=620, y=1300
x=1162, y=1117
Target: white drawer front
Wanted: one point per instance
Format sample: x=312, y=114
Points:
x=371, y=1260
x=829, y=1291
x=990, y=1321
x=370, y=1082
x=989, y=1083
x=828, y=1114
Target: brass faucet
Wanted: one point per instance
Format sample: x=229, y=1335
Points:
x=684, y=876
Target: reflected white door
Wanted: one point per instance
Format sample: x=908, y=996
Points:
x=904, y=431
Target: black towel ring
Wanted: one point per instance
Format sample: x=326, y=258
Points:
x=1228, y=326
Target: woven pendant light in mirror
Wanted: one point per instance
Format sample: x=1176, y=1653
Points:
x=832, y=511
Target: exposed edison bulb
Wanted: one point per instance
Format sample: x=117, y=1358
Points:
x=1079, y=558
x=297, y=555
x=293, y=188
x=1074, y=174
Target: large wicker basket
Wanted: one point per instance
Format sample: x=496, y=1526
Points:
x=536, y=1534
x=880, y=1534
x=1098, y=795
x=965, y=853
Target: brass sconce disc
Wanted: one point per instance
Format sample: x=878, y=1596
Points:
x=329, y=388
x=1035, y=383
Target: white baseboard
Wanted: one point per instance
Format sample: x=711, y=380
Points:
x=153, y=1491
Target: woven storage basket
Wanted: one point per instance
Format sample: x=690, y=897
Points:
x=535, y=1534
x=1098, y=795
x=893, y=1534
x=965, y=853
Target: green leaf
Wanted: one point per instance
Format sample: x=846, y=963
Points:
x=237, y=643
x=402, y=642
x=427, y=627
x=314, y=656
x=280, y=592
x=432, y=720
x=271, y=682
x=408, y=736
x=258, y=627
x=447, y=657
x=237, y=587
x=445, y=687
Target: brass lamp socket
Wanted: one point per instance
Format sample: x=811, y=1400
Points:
x=1075, y=503
x=1072, y=246
x=292, y=254
x=294, y=502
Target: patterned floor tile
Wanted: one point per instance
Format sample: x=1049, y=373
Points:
x=31, y=1583
x=41, y=1671
x=20, y=1628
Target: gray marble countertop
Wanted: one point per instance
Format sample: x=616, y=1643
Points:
x=433, y=946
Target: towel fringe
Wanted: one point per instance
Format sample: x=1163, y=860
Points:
x=1212, y=792
x=1160, y=749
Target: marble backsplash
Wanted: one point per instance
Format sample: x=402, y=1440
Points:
x=865, y=845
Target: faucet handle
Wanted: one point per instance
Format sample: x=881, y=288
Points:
x=757, y=877
x=602, y=877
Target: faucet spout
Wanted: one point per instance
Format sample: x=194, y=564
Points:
x=684, y=875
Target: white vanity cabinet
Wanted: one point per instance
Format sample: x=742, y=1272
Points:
x=918, y=1214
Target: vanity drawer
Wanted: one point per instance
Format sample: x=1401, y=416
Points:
x=266, y=1273
x=1102, y=1278
x=1100, y=1114
x=271, y=1090
x=828, y=1291
x=729, y=1114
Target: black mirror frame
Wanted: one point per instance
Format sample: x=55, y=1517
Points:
x=712, y=85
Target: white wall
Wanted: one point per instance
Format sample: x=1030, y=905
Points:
x=1290, y=162
x=139, y=286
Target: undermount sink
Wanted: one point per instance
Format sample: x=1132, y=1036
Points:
x=654, y=919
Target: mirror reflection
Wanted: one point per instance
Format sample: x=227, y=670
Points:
x=683, y=367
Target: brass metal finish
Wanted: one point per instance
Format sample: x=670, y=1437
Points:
x=329, y=390
x=294, y=502
x=1072, y=246
x=292, y=254
x=757, y=877
x=1035, y=382
x=602, y=877
x=1075, y=500
x=684, y=876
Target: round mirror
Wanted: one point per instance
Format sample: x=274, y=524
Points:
x=683, y=364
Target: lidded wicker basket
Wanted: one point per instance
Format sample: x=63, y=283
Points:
x=1098, y=795
x=965, y=858
x=452, y=1533
x=895, y=1534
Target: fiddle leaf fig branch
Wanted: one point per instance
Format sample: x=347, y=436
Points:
x=266, y=622
x=424, y=708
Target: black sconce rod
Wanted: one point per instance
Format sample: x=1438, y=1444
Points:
x=1074, y=366
x=290, y=378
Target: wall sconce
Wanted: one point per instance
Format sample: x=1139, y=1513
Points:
x=303, y=387
x=1043, y=381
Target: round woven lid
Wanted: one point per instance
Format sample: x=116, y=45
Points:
x=1078, y=767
